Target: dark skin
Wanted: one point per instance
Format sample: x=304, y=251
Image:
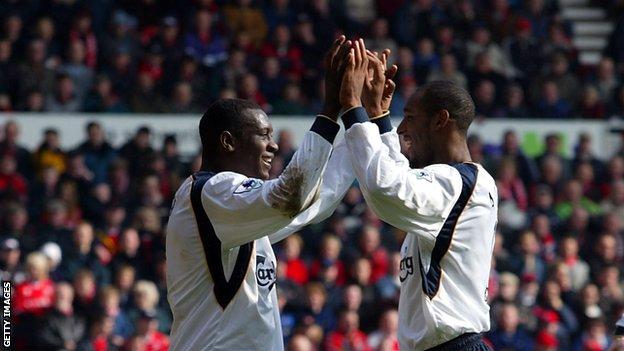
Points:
x=428, y=140
x=251, y=151
x=425, y=140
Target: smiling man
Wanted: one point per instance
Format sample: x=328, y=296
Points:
x=221, y=269
x=430, y=188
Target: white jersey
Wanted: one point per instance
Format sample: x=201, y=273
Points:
x=450, y=215
x=221, y=269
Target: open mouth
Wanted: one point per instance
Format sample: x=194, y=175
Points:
x=267, y=161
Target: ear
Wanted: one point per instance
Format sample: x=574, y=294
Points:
x=442, y=119
x=227, y=141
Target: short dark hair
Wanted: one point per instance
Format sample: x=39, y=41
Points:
x=223, y=115
x=446, y=95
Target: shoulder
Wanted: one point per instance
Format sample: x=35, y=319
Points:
x=231, y=183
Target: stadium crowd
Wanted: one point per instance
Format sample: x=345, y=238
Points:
x=82, y=241
x=515, y=57
x=82, y=231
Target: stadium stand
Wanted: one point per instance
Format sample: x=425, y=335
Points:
x=81, y=230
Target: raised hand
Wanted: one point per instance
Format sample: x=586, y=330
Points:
x=389, y=85
x=333, y=76
x=354, y=76
x=374, y=86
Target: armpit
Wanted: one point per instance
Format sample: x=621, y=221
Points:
x=287, y=196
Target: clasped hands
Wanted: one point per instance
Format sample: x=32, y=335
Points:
x=355, y=76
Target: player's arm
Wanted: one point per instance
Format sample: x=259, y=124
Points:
x=405, y=198
x=334, y=185
x=401, y=196
x=244, y=209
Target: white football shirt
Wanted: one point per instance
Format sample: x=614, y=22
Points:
x=220, y=265
x=450, y=215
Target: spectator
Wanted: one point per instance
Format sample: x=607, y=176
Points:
x=33, y=73
x=36, y=294
x=120, y=39
x=183, y=99
x=448, y=71
x=317, y=307
x=578, y=269
x=370, y=248
x=272, y=82
x=291, y=102
x=513, y=105
x=348, y=334
x=509, y=333
x=287, y=52
x=551, y=105
x=484, y=96
x=146, y=298
x=249, y=90
x=591, y=106
x=64, y=97
x=566, y=84
x=385, y=338
x=147, y=330
x=99, y=335
x=524, y=50
x=102, y=98
x=77, y=69
x=138, y=152
x=573, y=197
x=242, y=17
x=606, y=80
x=296, y=269
x=329, y=254
x=82, y=255
x=10, y=254
x=204, y=44
x=12, y=184
x=49, y=154
x=380, y=38
x=388, y=287
x=10, y=147
x=480, y=43
x=62, y=328
x=145, y=98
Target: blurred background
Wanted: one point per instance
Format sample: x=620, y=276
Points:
x=100, y=102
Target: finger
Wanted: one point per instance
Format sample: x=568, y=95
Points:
x=339, y=59
x=357, y=53
x=364, y=57
x=390, y=86
x=391, y=72
x=333, y=49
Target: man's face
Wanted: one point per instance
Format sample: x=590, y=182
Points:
x=415, y=133
x=256, y=147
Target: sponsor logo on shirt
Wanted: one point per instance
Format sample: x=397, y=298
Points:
x=248, y=185
x=407, y=268
x=265, y=272
x=422, y=174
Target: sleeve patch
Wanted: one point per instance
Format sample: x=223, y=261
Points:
x=423, y=174
x=248, y=185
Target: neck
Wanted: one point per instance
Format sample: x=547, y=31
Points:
x=455, y=150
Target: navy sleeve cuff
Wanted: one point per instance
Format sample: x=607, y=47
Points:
x=353, y=116
x=326, y=128
x=384, y=124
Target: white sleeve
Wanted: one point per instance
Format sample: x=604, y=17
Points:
x=412, y=200
x=335, y=183
x=243, y=209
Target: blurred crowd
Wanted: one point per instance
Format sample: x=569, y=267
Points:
x=82, y=240
x=516, y=57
